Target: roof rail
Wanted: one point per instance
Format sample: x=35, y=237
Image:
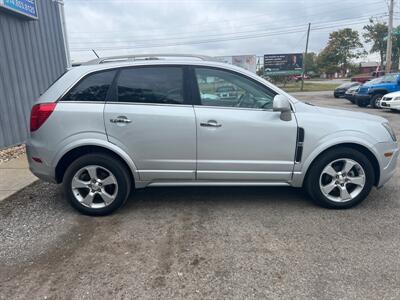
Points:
x=126, y=58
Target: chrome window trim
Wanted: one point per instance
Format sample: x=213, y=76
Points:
x=148, y=104
x=106, y=67
x=234, y=108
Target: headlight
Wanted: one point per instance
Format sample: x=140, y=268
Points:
x=390, y=130
x=369, y=90
x=396, y=98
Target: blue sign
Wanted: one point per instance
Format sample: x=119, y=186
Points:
x=23, y=7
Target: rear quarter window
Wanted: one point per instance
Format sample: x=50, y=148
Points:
x=93, y=87
x=158, y=84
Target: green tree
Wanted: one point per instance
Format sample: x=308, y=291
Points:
x=376, y=33
x=343, y=46
x=311, y=62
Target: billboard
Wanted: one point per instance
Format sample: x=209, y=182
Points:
x=248, y=62
x=283, y=64
x=23, y=7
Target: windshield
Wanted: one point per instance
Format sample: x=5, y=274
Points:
x=389, y=78
x=374, y=81
x=345, y=85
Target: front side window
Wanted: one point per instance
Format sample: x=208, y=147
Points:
x=224, y=88
x=93, y=87
x=151, y=85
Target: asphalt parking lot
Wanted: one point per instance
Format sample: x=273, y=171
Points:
x=204, y=243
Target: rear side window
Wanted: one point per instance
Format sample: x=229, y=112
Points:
x=151, y=85
x=93, y=87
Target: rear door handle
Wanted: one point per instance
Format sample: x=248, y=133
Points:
x=121, y=119
x=211, y=123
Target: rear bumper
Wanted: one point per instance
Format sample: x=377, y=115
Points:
x=39, y=169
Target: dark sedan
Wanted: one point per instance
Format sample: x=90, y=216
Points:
x=351, y=93
x=341, y=89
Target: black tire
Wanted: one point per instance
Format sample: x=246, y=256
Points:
x=118, y=170
x=312, y=183
x=374, y=100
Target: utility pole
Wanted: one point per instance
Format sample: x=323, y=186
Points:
x=389, y=39
x=304, y=58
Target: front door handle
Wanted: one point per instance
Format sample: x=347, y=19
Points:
x=211, y=123
x=121, y=119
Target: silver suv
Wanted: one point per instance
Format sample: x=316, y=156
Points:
x=118, y=124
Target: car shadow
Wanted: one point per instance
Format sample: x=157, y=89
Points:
x=226, y=196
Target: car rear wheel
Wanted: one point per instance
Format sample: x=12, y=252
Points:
x=96, y=184
x=340, y=178
x=375, y=100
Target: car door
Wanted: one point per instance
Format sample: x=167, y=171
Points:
x=149, y=118
x=244, y=140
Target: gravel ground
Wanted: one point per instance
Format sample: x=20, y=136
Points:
x=203, y=243
x=11, y=153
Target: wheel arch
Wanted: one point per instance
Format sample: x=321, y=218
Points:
x=78, y=151
x=361, y=148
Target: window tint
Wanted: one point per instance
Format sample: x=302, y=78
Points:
x=151, y=85
x=223, y=88
x=91, y=88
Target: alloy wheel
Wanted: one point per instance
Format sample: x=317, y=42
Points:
x=94, y=186
x=342, y=180
x=378, y=102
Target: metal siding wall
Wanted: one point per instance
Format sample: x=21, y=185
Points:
x=32, y=56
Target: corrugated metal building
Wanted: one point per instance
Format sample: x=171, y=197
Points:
x=32, y=55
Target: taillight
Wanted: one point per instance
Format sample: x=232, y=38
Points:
x=40, y=113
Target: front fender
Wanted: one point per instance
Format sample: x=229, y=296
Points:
x=331, y=140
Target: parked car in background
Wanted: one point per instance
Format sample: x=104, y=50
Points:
x=351, y=93
x=226, y=92
x=298, y=78
x=371, y=92
x=391, y=101
x=341, y=89
x=362, y=78
x=108, y=127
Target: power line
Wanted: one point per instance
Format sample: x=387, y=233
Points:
x=330, y=11
x=169, y=38
x=213, y=40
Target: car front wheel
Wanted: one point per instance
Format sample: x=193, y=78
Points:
x=96, y=184
x=375, y=100
x=340, y=178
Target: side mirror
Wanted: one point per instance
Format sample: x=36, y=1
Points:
x=282, y=104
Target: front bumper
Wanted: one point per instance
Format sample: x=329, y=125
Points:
x=387, y=164
x=349, y=97
x=392, y=104
x=339, y=93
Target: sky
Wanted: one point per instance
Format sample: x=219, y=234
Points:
x=212, y=27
